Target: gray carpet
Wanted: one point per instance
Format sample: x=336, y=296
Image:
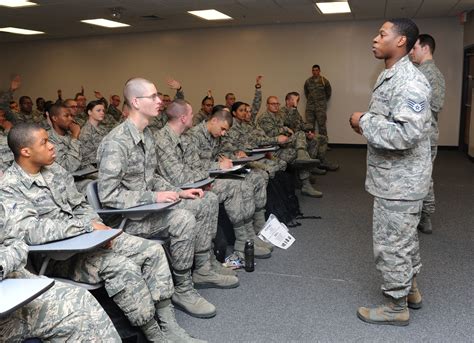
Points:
x=310, y=292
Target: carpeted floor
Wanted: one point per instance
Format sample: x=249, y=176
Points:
x=310, y=292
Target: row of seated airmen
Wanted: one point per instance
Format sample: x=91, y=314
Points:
x=142, y=158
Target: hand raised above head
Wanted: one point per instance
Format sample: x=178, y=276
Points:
x=173, y=84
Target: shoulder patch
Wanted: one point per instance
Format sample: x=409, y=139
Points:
x=416, y=106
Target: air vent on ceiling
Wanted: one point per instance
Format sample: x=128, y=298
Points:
x=151, y=17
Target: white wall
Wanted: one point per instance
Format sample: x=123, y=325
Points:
x=229, y=59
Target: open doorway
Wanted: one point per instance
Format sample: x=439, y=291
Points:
x=466, y=127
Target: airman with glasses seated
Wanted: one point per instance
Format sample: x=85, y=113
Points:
x=272, y=122
x=127, y=163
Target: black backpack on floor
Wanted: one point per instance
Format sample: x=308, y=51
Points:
x=281, y=197
x=224, y=236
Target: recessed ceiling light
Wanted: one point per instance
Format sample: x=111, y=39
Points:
x=210, y=15
x=17, y=3
x=104, y=23
x=333, y=7
x=19, y=31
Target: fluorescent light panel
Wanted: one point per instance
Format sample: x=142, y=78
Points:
x=210, y=15
x=333, y=7
x=19, y=31
x=17, y=3
x=104, y=22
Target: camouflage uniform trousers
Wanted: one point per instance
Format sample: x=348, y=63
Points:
x=396, y=247
x=429, y=200
x=316, y=115
x=270, y=166
x=318, y=146
x=135, y=273
x=288, y=154
x=206, y=212
x=257, y=180
x=191, y=225
x=298, y=140
x=237, y=197
x=63, y=313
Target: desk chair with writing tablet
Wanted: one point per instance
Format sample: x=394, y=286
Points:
x=66, y=248
x=126, y=213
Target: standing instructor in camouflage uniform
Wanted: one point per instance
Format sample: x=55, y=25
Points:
x=422, y=56
x=317, y=90
x=398, y=169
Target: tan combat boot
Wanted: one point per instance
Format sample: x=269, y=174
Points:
x=303, y=157
x=170, y=328
x=394, y=313
x=205, y=277
x=318, y=171
x=308, y=190
x=186, y=298
x=152, y=332
x=327, y=165
x=245, y=232
x=219, y=268
x=258, y=224
x=414, y=296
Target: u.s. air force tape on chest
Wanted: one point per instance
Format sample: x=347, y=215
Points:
x=276, y=233
x=416, y=106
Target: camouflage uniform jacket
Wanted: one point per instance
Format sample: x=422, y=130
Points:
x=35, y=117
x=256, y=104
x=127, y=163
x=109, y=121
x=90, y=138
x=317, y=90
x=114, y=112
x=207, y=146
x=200, y=117
x=13, y=250
x=178, y=159
x=6, y=155
x=81, y=118
x=245, y=136
x=272, y=123
x=5, y=98
x=158, y=122
x=60, y=211
x=438, y=88
x=396, y=127
x=293, y=119
x=68, y=150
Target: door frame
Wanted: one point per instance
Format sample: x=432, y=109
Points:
x=468, y=52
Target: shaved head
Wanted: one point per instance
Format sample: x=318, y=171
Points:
x=21, y=136
x=135, y=87
x=177, y=108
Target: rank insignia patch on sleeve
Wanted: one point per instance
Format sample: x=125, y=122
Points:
x=416, y=106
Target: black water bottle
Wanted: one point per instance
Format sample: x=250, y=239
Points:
x=249, y=256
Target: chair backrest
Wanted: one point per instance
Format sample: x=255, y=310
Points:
x=92, y=194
